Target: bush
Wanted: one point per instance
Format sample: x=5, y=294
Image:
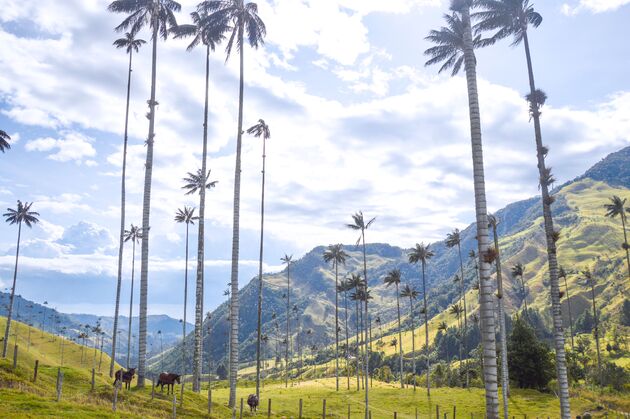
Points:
x=529, y=360
x=612, y=376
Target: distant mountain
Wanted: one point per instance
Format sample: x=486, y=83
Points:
x=51, y=320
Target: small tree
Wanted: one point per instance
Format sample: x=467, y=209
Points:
x=529, y=359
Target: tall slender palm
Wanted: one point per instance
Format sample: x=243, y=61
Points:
x=518, y=272
x=563, y=274
x=393, y=277
x=421, y=253
x=131, y=44
x=617, y=207
x=260, y=130
x=455, y=44
x=4, y=141
x=454, y=239
x=412, y=294
x=288, y=260
x=355, y=282
x=159, y=15
x=505, y=379
x=134, y=235
x=243, y=20
x=185, y=216
x=344, y=286
x=590, y=282
x=443, y=327
x=336, y=255
x=512, y=18
x=209, y=34
x=359, y=224
x=21, y=215
x=193, y=183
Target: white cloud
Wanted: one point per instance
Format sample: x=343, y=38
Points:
x=594, y=6
x=72, y=146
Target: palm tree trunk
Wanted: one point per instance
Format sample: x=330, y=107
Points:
x=337, y=325
x=146, y=211
x=625, y=241
x=485, y=287
x=463, y=293
x=413, y=342
x=347, y=340
x=400, y=348
x=596, y=319
x=121, y=243
x=286, y=354
x=426, y=328
x=184, y=320
x=235, y=237
x=561, y=365
x=260, y=273
x=505, y=379
x=566, y=286
x=199, y=292
x=5, y=342
x=133, y=261
x=367, y=358
x=356, y=302
x=360, y=342
x=525, y=298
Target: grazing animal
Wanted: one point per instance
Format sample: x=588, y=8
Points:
x=125, y=377
x=252, y=401
x=169, y=380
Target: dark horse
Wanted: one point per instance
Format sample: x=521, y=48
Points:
x=125, y=377
x=252, y=401
x=169, y=380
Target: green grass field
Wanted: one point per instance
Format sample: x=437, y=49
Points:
x=22, y=398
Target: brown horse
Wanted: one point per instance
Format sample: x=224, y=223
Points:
x=125, y=377
x=252, y=402
x=169, y=380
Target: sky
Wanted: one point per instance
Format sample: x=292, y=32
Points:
x=357, y=123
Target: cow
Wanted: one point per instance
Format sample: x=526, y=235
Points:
x=252, y=402
x=169, y=380
x=125, y=377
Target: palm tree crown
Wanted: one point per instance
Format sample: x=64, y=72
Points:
x=616, y=207
x=409, y=292
x=453, y=239
x=186, y=215
x=134, y=234
x=420, y=253
x=359, y=223
x=22, y=214
x=507, y=17
x=393, y=277
x=195, y=181
x=143, y=12
x=518, y=270
x=202, y=30
x=261, y=129
x=4, y=141
x=335, y=254
x=129, y=42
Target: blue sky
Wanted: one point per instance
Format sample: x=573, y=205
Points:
x=357, y=122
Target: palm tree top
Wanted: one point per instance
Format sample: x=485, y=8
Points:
x=241, y=17
x=4, y=141
x=359, y=222
x=288, y=259
x=141, y=13
x=355, y=281
x=453, y=239
x=134, y=234
x=261, y=129
x=392, y=277
x=22, y=214
x=420, y=253
x=202, y=30
x=493, y=221
x=186, y=215
x=507, y=18
x=410, y=292
x=518, y=270
x=195, y=181
x=129, y=42
x=616, y=207
x=335, y=254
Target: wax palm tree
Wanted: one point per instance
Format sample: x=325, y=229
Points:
x=443, y=327
x=359, y=224
x=133, y=235
x=452, y=49
x=355, y=282
x=288, y=260
x=393, y=277
x=209, y=34
x=563, y=274
x=512, y=18
x=159, y=15
x=590, y=282
x=260, y=130
x=505, y=379
x=185, y=216
x=336, y=255
x=421, y=253
x=193, y=183
x=617, y=207
x=412, y=294
x=4, y=141
x=21, y=215
x=344, y=287
x=454, y=239
x=518, y=272
x=242, y=19
x=130, y=44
